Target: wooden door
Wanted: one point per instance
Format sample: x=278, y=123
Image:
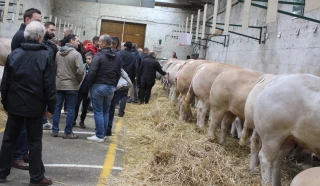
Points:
x=125, y=31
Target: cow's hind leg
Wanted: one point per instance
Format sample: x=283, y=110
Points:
x=216, y=118
x=225, y=125
x=254, y=154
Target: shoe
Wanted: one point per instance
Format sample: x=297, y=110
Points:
x=70, y=136
x=90, y=108
x=96, y=139
x=43, y=182
x=135, y=101
x=129, y=100
x=121, y=115
x=141, y=102
x=55, y=134
x=20, y=164
x=82, y=125
x=109, y=133
x=47, y=126
x=26, y=157
x=3, y=180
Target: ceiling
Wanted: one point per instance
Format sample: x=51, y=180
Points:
x=192, y=5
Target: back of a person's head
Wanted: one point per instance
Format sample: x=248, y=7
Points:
x=134, y=46
x=146, y=50
x=28, y=13
x=95, y=39
x=115, y=41
x=70, y=37
x=68, y=30
x=33, y=31
x=107, y=39
x=128, y=44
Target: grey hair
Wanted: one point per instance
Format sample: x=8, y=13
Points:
x=68, y=30
x=152, y=53
x=106, y=38
x=33, y=31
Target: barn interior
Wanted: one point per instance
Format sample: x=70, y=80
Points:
x=150, y=145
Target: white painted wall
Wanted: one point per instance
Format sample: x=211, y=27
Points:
x=160, y=21
x=7, y=30
x=288, y=54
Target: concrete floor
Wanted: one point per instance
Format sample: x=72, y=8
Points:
x=72, y=162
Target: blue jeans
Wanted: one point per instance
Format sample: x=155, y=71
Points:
x=69, y=96
x=101, y=96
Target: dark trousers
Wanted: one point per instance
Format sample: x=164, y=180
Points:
x=82, y=96
x=10, y=137
x=145, y=92
x=112, y=110
x=123, y=94
x=22, y=144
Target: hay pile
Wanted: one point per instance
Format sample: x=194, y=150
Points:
x=3, y=117
x=160, y=150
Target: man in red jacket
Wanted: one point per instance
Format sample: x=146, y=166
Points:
x=93, y=47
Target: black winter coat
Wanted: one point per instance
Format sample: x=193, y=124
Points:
x=138, y=60
x=28, y=82
x=105, y=68
x=148, y=71
x=128, y=63
x=84, y=85
x=18, y=38
x=52, y=48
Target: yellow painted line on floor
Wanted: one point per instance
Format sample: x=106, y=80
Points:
x=2, y=130
x=110, y=157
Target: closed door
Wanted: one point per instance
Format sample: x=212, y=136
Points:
x=125, y=31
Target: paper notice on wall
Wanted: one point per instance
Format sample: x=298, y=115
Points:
x=184, y=39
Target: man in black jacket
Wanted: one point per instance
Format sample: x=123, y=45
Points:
x=21, y=156
x=129, y=65
x=53, y=49
x=148, y=75
x=138, y=62
x=103, y=77
x=28, y=85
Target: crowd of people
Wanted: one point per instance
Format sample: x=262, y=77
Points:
x=42, y=76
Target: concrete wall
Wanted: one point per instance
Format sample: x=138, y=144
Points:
x=7, y=30
x=160, y=21
x=290, y=53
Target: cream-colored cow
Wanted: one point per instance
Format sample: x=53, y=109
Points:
x=309, y=177
x=171, y=78
x=183, y=80
x=200, y=88
x=228, y=95
x=5, y=50
x=285, y=113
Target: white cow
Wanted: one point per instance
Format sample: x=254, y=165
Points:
x=309, y=177
x=5, y=50
x=286, y=112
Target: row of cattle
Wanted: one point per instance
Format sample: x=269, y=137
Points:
x=282, y=110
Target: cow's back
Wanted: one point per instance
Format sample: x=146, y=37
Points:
x=231, y=88
x=290, y=106
x=205, y=76
x=185, y=74
x=5, y=50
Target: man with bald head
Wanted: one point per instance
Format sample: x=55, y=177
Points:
x=103, y=77
x=27, y=86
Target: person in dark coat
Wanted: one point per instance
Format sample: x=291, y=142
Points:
x=27, y=86
x=53, y=49
x=134, y=89
x=103, y=77
x=21, y=155
x=83, y=93
x=145, y=53
x=148, y=75
x=128, y=65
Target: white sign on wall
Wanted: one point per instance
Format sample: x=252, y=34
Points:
x=184, y=39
